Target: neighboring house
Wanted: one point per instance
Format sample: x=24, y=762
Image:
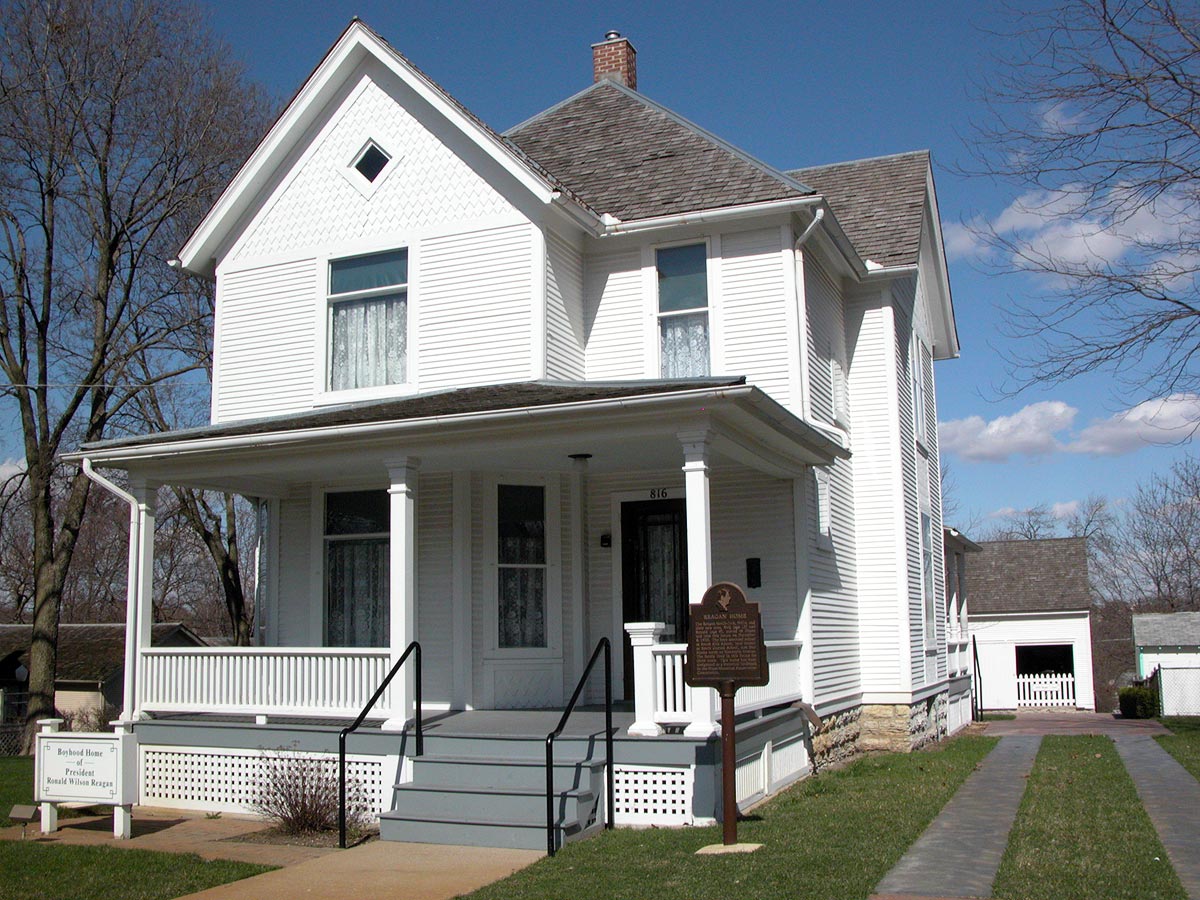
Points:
x=90, y=662
x=1030, y=618
x=959, y=665
x=1170, y=644
x=509, y=395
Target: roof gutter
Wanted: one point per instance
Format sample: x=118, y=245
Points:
x=134, y=579
x=722, y=214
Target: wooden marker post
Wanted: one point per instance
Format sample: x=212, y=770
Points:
x=726, y=651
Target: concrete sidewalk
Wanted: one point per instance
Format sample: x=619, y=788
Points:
x=378, y=869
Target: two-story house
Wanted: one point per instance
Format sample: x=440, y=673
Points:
x=511, y=394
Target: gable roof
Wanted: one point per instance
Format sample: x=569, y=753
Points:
x=880, y=203
x=1181, y=629
x=627, y=156
x=1028, y=576
x=91, y=652
x=356, y=44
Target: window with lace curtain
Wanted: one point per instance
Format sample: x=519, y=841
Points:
x=368, y=321
x=357, y=526
x=521, y=565
x=683, y=311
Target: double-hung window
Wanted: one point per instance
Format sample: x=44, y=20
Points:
x=683, y=310
x=521, y=565
x=368, y=321
x=357, y=527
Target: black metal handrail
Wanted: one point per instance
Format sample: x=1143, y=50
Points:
x=977, y=692
x=606, y=646
x=420, y=748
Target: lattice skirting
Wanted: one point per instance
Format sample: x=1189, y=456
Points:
x=228, y=780
x=653, y=795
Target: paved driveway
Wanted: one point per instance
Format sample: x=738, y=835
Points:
x=1040, y=722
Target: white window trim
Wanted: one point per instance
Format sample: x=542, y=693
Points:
x=823, y=507
x=917, y=378
x=359, y=181
x=652, y=342
x=322, y=395
x=553, y=568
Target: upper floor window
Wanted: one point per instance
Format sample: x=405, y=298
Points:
x=917, y=364
x=683, y=310
x=368, y=320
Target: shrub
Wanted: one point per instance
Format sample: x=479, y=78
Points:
x=1138, y=703
x=300, y=794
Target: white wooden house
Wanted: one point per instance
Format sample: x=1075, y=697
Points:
x=509, y=394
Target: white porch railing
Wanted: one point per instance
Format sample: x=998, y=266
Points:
x=663, y=698
x=1046, y=690
x=322, y=681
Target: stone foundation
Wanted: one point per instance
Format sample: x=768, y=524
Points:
x=902, y=727
x=838, y=739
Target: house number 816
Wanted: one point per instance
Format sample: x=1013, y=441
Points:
x=659, y=493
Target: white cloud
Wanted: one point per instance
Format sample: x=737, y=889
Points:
x=961, y=241
x=1046, y=427
x=1031, y=431
x=1166, y=420
x=11, y=467
x=1064, y=510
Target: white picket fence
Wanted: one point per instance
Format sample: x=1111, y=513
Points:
x=1046, y=690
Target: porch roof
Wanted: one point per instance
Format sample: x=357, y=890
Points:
x=538, y=424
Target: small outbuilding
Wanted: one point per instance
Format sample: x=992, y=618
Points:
x=1170, y=643
x=1030, y=620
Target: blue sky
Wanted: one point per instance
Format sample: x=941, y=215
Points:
x=796, y=83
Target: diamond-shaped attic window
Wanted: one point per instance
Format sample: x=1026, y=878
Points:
x=371, y=162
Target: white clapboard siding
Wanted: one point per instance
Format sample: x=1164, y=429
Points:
x=564, y=310
x=935, y=505
x=297, y=593
x=317, y=206
x=754, y=297
x=264, y=363
x=835, y=639
x=475, y=308
x=881, y=567
x=753, y=518
x=435, y=629
x=824, y=328
x=614, y=316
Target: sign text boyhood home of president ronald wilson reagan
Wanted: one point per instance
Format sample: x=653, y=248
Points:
x=94, y=768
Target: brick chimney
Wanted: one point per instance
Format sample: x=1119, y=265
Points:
x=615, y=59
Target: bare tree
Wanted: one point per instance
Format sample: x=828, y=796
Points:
x=1098, y=124
x=1159, y=542
x=119, y=121
x=1030, y=524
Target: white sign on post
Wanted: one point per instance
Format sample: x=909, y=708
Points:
x=77, y=767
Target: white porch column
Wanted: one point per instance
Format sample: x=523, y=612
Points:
x=402, y=586
x=699, y=558
x=140, y=612
x=643, y=636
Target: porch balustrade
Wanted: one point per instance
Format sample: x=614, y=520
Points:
x=316, y=681
x=663, y=698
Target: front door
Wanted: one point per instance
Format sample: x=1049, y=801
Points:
x=654, y=570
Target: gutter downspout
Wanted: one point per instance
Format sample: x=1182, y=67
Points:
x=131, y=602
x=801, y=306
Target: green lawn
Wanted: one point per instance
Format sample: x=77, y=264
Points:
x=1184, y=742
x=33, y=871
x=1081, y=831
x=833, y=836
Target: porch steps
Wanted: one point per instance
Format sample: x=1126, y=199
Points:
x=490, y=791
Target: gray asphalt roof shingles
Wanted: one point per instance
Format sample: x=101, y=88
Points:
x=879, y=202
x=1181, y=629
x=1028, y=576
x=627, y=156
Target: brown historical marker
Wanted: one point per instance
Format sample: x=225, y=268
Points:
x=726, y=651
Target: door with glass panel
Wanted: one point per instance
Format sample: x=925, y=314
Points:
x=654, y=571
x=523, y=660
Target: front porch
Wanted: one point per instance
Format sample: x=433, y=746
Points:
x=507, y=542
